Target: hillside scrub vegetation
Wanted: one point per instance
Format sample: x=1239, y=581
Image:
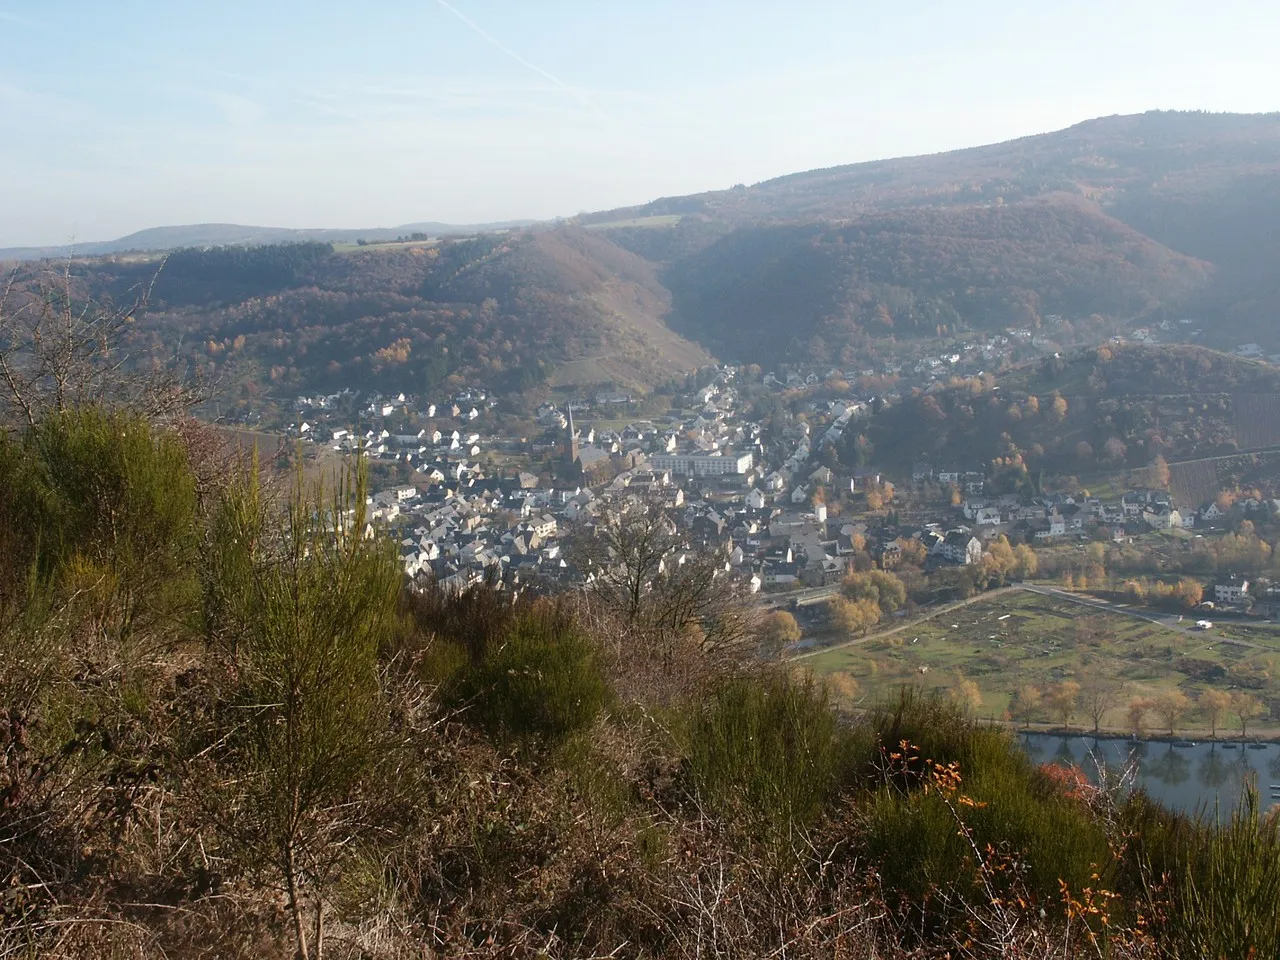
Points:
x=229, y=730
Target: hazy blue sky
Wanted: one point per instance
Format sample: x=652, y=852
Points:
x=134, y=113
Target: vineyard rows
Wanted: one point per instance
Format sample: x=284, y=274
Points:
x=1193, y=483
x=1257, y=420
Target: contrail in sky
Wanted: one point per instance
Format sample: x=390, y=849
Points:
x=503, y=47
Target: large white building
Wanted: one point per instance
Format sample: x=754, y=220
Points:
x=703, y=465
x=1231, y=591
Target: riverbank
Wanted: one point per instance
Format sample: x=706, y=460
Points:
x=1180, y=735
x=1205, y=780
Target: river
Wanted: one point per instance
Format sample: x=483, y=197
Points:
x=1183, y=776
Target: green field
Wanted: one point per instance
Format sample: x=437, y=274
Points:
x=383, y=245
x=1022, y=638
x=668, y=220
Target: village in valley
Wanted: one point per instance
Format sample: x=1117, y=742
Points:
x=469, y=504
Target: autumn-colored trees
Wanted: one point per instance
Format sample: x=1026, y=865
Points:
x=778, y=630
x=965, y=692
x=1185, y=593
x=911, y=551
x=1135, y=416
x=883, y=588
x=1212, y=704
x=1189, y=592
x=1058, y=409
x=1171, y=706
x=1025, y=703
x=1136, y=714
x=853, y=616
x=1246, y=708
x=1003, y=561
x=865, y=598
x=1158, y=473
x=1062, y=700
x=1100, y=697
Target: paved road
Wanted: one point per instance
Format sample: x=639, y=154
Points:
x=1168, y=621
x=909, y=624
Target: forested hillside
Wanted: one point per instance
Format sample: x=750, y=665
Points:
x=1132, y=216
x=1123, y=216
x=817, y=291
x=1156, y=155
x=509, y=311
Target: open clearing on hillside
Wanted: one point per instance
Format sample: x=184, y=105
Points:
x=1021, y=638
x=667, y=220
x=383, y=245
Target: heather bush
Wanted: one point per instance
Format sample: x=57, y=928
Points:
x=100, y=509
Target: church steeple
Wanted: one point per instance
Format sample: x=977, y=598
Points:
x=571, y=441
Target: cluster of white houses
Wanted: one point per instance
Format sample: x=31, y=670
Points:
x=710, y=470
x=1065, y=514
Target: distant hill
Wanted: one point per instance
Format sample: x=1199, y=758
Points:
x=1130, y=217
x=1104, y=409
x=1108, y=225
x=1110, y=159
x=233, y=234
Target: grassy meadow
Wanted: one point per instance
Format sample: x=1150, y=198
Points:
x=648, y=223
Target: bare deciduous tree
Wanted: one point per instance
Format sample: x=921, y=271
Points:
x=1213, y=704
x=625, y=550
x=641, y=566
x=1099, y=697
x=1246, y=707
x=61, y=349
